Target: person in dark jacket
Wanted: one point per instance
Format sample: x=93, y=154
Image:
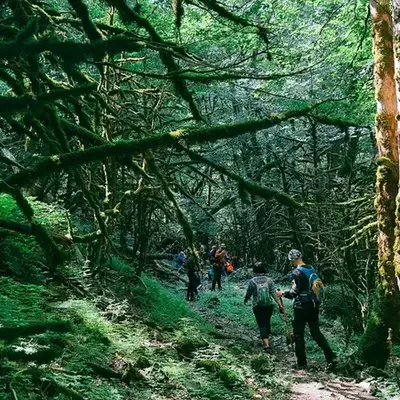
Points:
x=193, y=275
x=218, y=265
x=262, y=289
x=306, y=311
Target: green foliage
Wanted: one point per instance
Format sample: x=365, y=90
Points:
x=263, y=365
x=22, y=256
x=342, y=303
x=209, y=365
x=165, y=308
x=229, y=377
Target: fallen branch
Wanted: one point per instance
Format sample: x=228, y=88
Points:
x=166, y=271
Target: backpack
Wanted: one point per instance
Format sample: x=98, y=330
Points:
x=316, y=288
x=263, y=294
x=221, y=258
x=229, y=267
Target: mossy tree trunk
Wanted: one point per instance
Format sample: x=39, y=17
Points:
x=396, y=20
x=384, y=318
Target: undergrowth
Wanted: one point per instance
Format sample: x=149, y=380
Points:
x=157, y=348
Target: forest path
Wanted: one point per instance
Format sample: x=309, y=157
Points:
x=309, y=386
x=313, y=384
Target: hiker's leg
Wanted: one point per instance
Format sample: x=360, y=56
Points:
x=269, y=310
x=299, y=324
x=217, y=275
x=214, y=279
x=192, y=288
x=261, y=319
x=316, y=334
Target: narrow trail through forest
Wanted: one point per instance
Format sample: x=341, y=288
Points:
x=313, y=384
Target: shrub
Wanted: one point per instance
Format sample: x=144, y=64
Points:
x=341, y=303
x=229, y=377
x=209, y=365
x=263, y=365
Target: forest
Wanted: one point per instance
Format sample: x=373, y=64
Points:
x=143, y=140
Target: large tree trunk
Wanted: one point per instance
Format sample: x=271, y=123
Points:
x=384, y=319
x=396, y=30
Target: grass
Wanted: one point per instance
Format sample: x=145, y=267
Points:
x=97, y=339
x=173, y=350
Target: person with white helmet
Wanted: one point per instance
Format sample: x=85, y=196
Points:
x=306, y=303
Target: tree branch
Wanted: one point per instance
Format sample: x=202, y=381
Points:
x=75, y=159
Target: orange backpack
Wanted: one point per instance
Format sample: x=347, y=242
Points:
x=229, y=267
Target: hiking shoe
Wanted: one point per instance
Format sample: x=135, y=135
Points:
x=332, y=366
x=267, y=349
x=331, y=363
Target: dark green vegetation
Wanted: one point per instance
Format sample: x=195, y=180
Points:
x=130, y=130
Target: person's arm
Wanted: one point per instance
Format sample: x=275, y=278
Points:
x=249, y=292
x=292, y=293
x=273, y=292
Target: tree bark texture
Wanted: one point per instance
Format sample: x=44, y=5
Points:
x=384, y=319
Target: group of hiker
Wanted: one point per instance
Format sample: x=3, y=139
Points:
x=307, y=293
x=218, y=260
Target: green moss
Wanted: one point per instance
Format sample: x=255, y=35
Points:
x=374, y=346
x=263, y=365
x=229, y=377
x=186, y=346
x=209, y=365
x=164, y=307
x=22, y=254
x=22, y=304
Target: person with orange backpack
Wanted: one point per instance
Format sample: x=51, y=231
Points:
x=307, y=293
x=218, y=264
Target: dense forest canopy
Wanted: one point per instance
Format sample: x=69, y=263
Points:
x=161, y=125
x=109, y=72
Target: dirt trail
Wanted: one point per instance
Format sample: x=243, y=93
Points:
x=308, y=385
x=317, y=387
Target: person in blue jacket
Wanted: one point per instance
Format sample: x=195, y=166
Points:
x=306, y=310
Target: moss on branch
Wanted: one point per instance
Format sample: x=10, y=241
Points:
x=10, y=104
x=245, y=185
x=87, y=24
x=71, y=51
x=71, y=160
x=183, y=221
x=340, y=123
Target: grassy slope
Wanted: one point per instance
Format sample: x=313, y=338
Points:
x=143, y=333
x=172, y=350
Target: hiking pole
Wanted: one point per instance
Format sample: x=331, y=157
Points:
x=289, y=335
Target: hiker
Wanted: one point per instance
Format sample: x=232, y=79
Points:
x=180, y=261
x=218, y=264
x=307, y=295
x=263, y=291
x=193, y=275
